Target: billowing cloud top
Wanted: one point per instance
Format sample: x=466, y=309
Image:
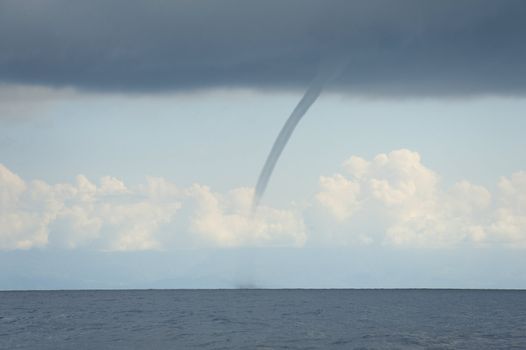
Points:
x=407, y=47
x=391, y=200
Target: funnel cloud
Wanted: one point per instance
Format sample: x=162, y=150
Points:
x=325, y=74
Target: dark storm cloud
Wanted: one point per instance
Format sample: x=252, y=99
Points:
x=403, y=47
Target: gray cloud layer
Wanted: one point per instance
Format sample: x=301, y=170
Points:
x=406, y=47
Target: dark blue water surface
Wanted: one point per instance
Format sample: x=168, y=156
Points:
x=263, y=319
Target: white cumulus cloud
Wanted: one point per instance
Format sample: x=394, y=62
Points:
x=392, y=199
x=510, y=217
x=396, y=200
x=110, y=216
x=227, y=220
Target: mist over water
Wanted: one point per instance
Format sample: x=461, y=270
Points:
x=325, y=74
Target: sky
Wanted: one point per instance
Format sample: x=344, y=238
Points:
x=132, y=135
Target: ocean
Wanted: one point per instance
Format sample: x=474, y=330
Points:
x=263, y=319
